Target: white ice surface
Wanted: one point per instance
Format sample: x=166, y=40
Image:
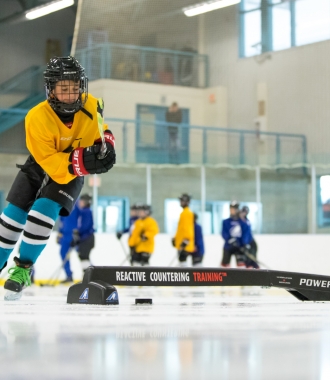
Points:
x=188, y=333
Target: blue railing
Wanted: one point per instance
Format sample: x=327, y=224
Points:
x=23, y=91
x=145, y=64
x=151, y=142
x=139, y=141
x=27, y=82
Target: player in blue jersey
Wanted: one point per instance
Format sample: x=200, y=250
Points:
x=83, y=236
x=66, y=227
x=251, y=247
x=198, y=254
x=133, y=218
x=235, y=233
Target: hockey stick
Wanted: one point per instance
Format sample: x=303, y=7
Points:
x=252, y=258
x=100, y=122
x=127, y=255
x=173, y=260
x=54, y=277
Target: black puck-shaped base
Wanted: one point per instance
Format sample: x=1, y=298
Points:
x=93, y=293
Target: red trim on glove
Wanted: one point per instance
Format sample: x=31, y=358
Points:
x=108, y=137
x=78, y=162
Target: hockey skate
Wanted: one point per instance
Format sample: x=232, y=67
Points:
x=19, y=279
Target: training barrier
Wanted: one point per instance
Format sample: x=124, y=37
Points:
x=97, y=284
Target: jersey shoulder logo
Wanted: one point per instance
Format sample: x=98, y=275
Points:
x=84, y=295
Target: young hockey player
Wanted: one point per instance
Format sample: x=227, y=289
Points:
x=198, y=254
x=64, y=142
x=184, y=239
x=235, y=234
x=142, y=240
x=251, y=247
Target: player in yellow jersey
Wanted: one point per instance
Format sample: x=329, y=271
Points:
x=142, y=240
x=64, y=141
x=184, y=239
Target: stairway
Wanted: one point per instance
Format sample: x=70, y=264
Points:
x=28, y=83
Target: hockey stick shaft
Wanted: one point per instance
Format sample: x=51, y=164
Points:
x=100, y=122
x=54, y=277
x=127, y=255
x=252, y=258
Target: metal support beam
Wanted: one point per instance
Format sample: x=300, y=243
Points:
x=313, y=202
x=258, y=198
x=203, y=196
x=148, y=182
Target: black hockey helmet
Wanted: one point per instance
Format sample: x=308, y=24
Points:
x=245, y=209
x=185, y=197
x=86, y=198
x=65, y=68
x=134, y=207
x=234, y=204
x=146, y=208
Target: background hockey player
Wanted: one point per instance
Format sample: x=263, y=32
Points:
x=198, y=254
x=142, y=240
x=83, y=235
x=63, y=138
x=132, y=219
x=184, y=239
x=235, y=234
x=251, y=247
x=67, y=224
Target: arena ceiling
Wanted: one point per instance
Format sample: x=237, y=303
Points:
x=15, y=9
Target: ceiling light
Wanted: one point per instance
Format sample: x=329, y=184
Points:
x=48, y=8
x=208, y=6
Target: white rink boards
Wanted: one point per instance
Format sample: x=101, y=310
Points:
x=188, y=333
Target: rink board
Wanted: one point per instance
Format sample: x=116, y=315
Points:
x=97, y=285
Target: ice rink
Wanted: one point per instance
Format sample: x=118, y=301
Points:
x=187, y=333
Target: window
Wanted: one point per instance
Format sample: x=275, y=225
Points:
x=112, y=214
x=281, y=28
x=270, y=25
x=251, y=27
x=312, y=21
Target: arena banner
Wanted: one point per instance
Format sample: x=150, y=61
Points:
x=305, y=287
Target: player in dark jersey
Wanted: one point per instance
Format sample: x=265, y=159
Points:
x=198, y=254
x=63, y=138
x=67, y=224
x=251, y=247
x=235, y=234
x=83, y=236
x=132, y=219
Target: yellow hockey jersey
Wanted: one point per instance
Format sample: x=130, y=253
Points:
x=147, y=227
x=50, y=141
x=185, y=230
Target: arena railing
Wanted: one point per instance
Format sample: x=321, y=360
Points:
x=145, y=64
x=140, y=141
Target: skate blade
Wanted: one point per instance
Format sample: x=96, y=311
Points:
x=12, y=296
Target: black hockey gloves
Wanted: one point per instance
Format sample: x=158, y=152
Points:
x=184, y=243
x=75, y=238
x=233, y=242
x=84, y=160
